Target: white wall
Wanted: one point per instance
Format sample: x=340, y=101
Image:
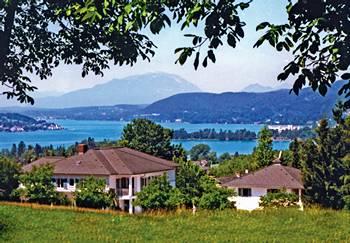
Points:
x=249, y=203
x=172, y=177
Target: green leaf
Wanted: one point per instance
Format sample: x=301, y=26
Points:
x=262, y=26
x=231, y=40
x=127, y=8
x=345, y=76
x=205, y=62
x=322, y=88
x=196, y=61
x=211, y=56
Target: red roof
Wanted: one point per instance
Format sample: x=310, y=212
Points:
x=275, y=176
x=113, y=161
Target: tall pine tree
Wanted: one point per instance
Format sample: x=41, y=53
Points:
x=263, y=153
x=325, y=164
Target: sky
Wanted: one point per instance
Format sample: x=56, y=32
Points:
x=233, y=70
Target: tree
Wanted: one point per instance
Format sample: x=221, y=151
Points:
x=91, y=193
x=325, y=165
x=9, y=171
x=200, y=152
x=214, y=197
x=294, y=147
x=199, y=189
x=317, y=33
x=188, y=181
x=224, y=157
x=21, y=148
x=14, y=150
x=38, y=186
x=151, y=138
x=263, y=153
x=159, y=194
x=94, y=33
x=237, y=164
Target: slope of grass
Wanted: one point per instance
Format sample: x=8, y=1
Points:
x=25, y=224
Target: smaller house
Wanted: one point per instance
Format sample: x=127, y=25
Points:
x=251, y=186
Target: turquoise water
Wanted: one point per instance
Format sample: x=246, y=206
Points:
x=100, y=130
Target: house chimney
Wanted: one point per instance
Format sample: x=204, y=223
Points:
x=238, y=174
x=82, y=148
x=246, y=171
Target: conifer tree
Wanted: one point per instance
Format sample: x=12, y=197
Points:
x=263, y=153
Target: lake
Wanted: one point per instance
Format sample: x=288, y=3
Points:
x=111, y=130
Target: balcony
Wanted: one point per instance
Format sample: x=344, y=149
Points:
x=123, y=192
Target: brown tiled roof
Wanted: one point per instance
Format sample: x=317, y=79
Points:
x=275, y=176
x=114, y=161
x=42, y=161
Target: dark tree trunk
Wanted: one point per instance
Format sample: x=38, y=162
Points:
x=5, y=35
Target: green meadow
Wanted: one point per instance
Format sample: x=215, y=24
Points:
x=46, y=224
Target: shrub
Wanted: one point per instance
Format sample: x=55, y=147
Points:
x=9, y=171
x=216, y=199
x=91, y=193
x=279, y=199
x=159, y=194
x=38, y=186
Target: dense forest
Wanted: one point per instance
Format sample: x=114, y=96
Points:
x=241, y=134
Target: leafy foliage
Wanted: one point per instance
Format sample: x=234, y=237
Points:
x=159, y=194
x=235, y=164
x=214, y=197
x=197, y=187
x=325, y=165
x=151, y=138
x=9, y=171
x=279, y=199
x=193, y=187
x=91, y=193
x=295, y=148
x=317, y=33
x=263, y=153
x=38, y=186
x=94, y=33
x=202, y=152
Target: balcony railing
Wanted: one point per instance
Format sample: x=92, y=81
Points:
x=123, y=192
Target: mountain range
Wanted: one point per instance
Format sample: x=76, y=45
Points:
x=242, y=107
x=258, y=88
x=275, y=107
x=138, y=89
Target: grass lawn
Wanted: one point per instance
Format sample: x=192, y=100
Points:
x=26, y=224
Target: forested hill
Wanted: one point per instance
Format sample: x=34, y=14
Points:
x=275, y=106
x=270, y=107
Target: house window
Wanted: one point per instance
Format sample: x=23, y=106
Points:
x=77, y=180
x=122, y=183
x=273, y=190
x=62, y=182
x=71, y=182
x=244, y=192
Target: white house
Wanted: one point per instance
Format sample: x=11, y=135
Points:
x=125, y=170
x=251, y=186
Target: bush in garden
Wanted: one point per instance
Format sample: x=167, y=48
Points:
x=159, y=194
x=91, y=193
x=9, y=171
x=278, y=200
x=37, y=185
